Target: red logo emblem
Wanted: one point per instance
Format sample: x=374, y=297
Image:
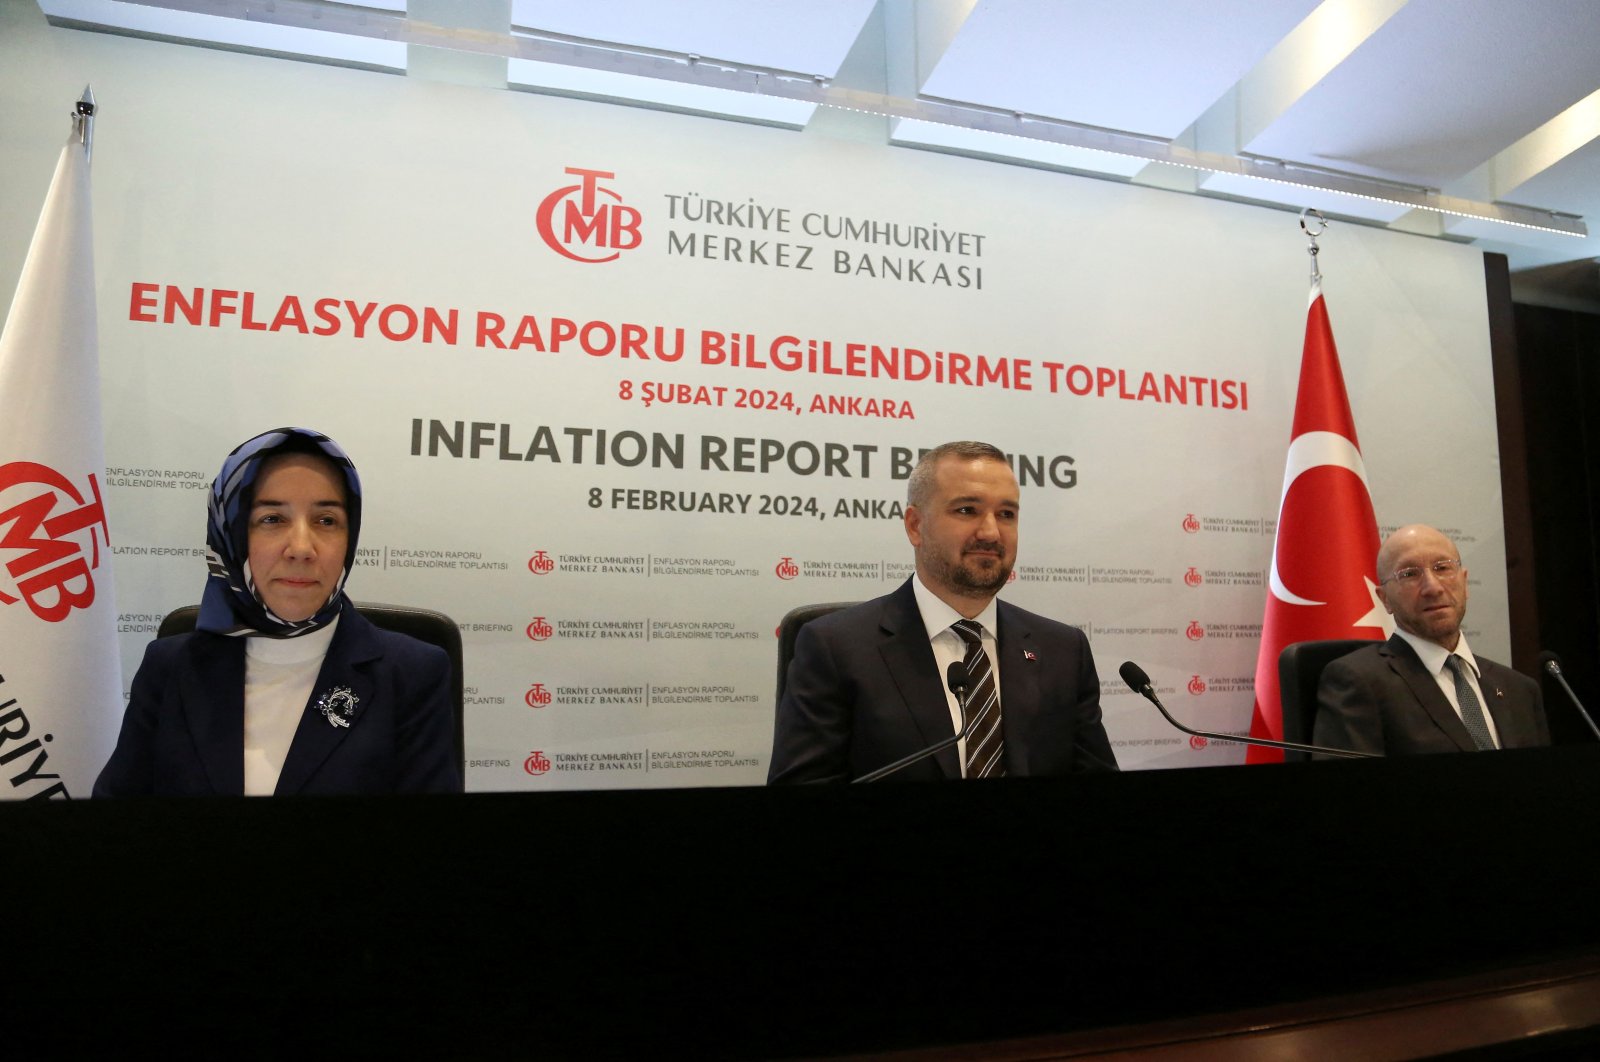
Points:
x=1191, y=525
x=46, y=566
x=1197, y=742
x=539, y=629
x=1192, y=577
x=1012, y=577
x=1194, y=632
x=537, y=696
x=786, y=569
x=588, y=230
x=541, y=563
x=1197, y=685
x=536, y=763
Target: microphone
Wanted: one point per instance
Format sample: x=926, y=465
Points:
x=955, y=679
x=1551, y=663
x=1139, y=682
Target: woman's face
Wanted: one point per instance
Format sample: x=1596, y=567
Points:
x=299, y=530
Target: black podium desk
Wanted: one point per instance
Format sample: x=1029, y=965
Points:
x=811, y=921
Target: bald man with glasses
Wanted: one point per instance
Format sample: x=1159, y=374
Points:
x=1424, y=690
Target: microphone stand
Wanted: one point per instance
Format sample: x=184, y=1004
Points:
x=958, y=686
x=1147, y=691
x=1552, y=665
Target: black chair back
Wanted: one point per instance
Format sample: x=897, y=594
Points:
x=789, y=629
x=423, y=624
x=1299, y=671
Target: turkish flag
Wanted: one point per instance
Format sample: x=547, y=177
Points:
x=1323, y=581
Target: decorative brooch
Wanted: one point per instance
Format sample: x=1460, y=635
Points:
x=338, y=705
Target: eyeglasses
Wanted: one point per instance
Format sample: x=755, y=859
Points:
x=1443, y=570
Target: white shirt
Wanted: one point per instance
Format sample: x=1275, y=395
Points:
x=278, y=676
x=1433, y=657
x=949, y=648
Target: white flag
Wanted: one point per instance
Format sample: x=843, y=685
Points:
x=60, y=673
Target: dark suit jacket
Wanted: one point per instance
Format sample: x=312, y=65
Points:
x=864, y=690
x=1381, y=699
x=183, y=731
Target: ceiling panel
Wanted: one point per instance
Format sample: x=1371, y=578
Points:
x=809, y=36
x=1144, y=66
x=232, y=32
x=1443, y=87
x=1574, y=179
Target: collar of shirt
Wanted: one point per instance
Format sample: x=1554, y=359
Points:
x=1433, y=655
x=938, y=616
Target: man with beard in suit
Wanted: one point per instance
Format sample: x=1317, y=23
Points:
x=867, y=685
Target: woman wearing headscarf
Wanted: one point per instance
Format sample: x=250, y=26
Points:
x=284, y=688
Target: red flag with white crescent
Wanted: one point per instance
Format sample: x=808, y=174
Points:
x=1323, y=579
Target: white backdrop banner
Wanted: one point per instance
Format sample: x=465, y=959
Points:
x=625, y=386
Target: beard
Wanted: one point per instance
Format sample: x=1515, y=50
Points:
x=968, y=577
x=1443, y=627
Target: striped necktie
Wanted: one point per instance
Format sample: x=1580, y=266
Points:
x=985, y=744
x=1471, y=711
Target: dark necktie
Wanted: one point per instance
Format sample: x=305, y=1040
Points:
x=1471, y=711
x=985, y=744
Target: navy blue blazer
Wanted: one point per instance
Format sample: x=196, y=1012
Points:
x=183, y=731
x=864, y=690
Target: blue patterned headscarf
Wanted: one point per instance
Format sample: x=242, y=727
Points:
x=231, y=604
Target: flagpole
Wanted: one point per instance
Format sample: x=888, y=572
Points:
x=83, y=122
x=61, y=690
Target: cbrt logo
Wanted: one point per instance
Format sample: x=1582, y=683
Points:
x=541, y=563
x=536, y=763
x=786, y=568
x=538, y=695
x=45, y=565
x=576, y=223
x=540, y=629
